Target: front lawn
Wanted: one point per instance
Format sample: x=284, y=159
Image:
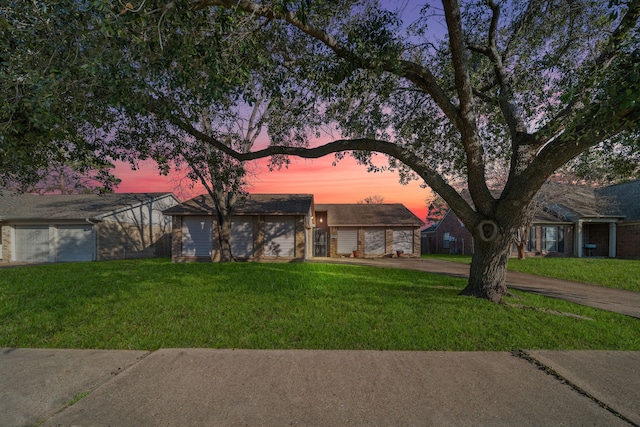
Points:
x=610, y=273
x=149, y=304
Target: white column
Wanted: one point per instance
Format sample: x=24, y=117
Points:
x=579, y=242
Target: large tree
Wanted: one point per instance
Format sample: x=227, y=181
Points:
x=532, y=83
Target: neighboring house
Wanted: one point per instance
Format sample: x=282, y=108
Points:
x=371, y=230
x=626, y=199
x=585, y=222
x=264, y=226
x=292, y=227
x=84, y=227
x=447, y=236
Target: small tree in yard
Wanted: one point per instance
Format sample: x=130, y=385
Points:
x=533, y=83
x=376, y=199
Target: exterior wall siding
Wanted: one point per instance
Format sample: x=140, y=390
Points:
x=129, y=241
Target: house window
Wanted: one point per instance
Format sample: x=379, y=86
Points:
x=553, y=239
x=445, y=241
x=531, y=243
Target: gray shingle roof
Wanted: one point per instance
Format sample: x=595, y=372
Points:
x=254, y=204
x=68, y=206
x=627, y=198
x=395, y=214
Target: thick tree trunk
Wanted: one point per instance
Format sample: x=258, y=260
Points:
x=521, y=245
x=487, y=275
x=224, y=237
x=224, y=211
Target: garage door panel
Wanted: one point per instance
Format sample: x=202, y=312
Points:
x=280, y=237
x=374, y=241
x=242, y=238
x=347, y=240
x=197, y=240
x=32, y=243
x=75, y=243
x=403, y=240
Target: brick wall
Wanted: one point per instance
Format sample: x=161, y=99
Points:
x=5, y=232
x=176, y=239
x=628, y=239
x=300, y=238
x=597, y=234
x=450, y=224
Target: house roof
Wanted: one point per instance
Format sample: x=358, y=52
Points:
x=369, y=214
x=579, y=202
x=70, y=206
x=626, y=197
x=254, y=204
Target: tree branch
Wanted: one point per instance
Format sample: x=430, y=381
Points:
x=474, y=150
x=428, y=174
x=604, y=61
x=415, y=73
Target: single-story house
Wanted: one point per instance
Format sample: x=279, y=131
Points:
x=292, y=227
x=368, y=230
x=84, y=227
x=264, y=226
x=584, y=222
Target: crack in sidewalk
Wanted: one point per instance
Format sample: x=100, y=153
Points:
x=84, y=393
x=522, y=354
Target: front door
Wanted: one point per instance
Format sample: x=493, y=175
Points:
x=320, y=242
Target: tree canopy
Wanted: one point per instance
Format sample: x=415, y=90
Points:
x=445, y=93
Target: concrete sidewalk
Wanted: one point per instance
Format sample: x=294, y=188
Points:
x=616, y=300
x=203, y=387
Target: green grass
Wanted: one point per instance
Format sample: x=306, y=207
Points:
x=151, y=304
x=610, y=273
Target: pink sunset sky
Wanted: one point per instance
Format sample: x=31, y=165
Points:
x=347, y=182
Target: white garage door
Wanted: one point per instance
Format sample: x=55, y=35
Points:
x=32, y=243
x=280, y=237
x=403, y=240
x=197, y=240
x=242, y=237
x=75, y=243
x=374, y=241
x=347, y=240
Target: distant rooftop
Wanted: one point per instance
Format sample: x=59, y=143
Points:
x=369, y=214
x=68, y=206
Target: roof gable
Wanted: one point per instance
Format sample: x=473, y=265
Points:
x=70, y=206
